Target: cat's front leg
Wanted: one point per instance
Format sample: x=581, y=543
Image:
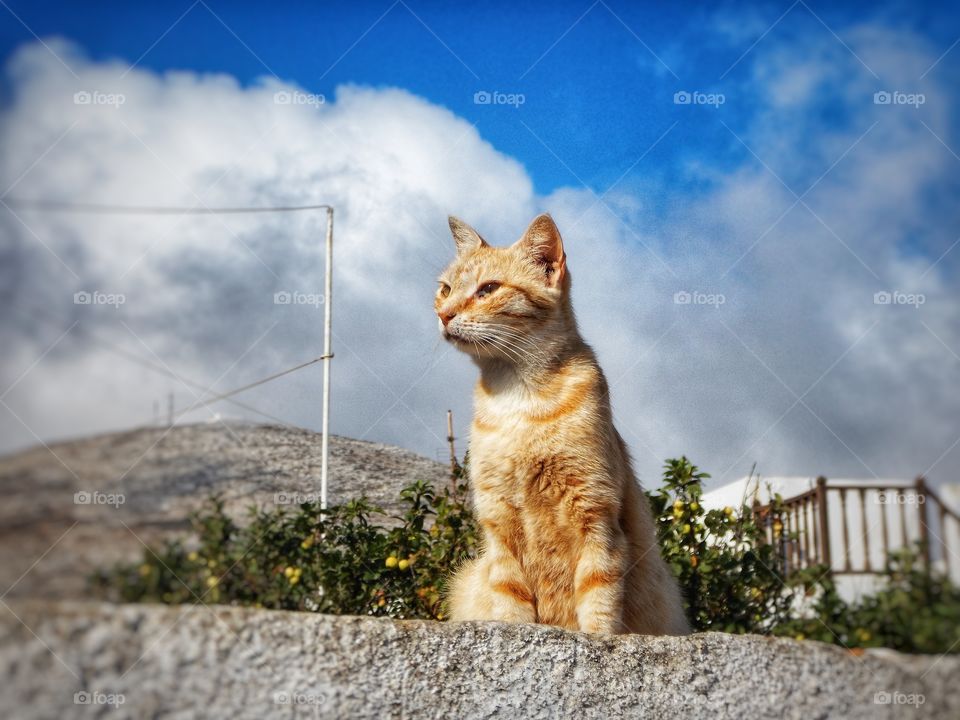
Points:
x=511, y=598
x=492, y=587
x=599, y=581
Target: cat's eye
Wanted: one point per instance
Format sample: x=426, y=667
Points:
x=487, y=289
x=444, y=290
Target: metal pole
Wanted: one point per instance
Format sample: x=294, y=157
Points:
x=327, y=357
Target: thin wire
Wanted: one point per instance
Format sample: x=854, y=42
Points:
x=150, y=365
x=103, y=209
x=223, y=396
x=96, y=208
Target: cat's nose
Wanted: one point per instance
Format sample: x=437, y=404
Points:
x=445, y=319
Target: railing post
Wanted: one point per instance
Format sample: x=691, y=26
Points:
x=921, y=489
x=865, y=530
x=824, y=522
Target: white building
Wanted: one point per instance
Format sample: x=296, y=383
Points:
x=864, y=518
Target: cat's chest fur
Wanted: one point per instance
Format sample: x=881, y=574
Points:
x=529, y=451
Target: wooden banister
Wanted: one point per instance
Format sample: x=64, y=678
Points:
x=824, y=522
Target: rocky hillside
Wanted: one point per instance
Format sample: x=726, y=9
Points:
x=89, y=503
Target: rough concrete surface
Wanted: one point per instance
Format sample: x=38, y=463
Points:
x=184, y=662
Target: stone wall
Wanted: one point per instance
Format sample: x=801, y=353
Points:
x=199, y=661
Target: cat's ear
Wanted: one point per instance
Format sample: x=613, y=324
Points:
x=466, y=237
x=543, y=244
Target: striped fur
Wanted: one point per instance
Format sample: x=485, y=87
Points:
x=568, y=538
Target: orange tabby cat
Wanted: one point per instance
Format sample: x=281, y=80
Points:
x=568, y=538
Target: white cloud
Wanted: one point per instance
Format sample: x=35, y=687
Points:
x=686, y=378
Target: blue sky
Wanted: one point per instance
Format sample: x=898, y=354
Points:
x=797, y=200
x=596, y=99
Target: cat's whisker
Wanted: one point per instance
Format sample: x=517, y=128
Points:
x=493, y=336
x=506, y=349
x=506, y=329
x=517, y=339
x=528, y=349
x=519, y=354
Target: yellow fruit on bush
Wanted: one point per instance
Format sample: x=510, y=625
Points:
x=193, y=557
x=694, y=506
x=403, y=564
x=728, y=511
x=685, y=529
x=212, y=581
x=391, y=561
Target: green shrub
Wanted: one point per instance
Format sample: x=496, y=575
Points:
x=333, y=561
x=353, y=559
x=732, y=579
x=914, y=610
